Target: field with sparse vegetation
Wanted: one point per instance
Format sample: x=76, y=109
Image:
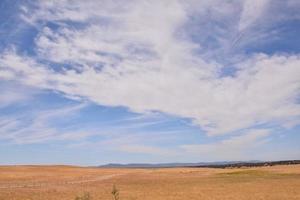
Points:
x=70, y=183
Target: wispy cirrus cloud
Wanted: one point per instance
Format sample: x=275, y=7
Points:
x=252, y=11
x=35, y=126
x=232, y=148
x=12, y=94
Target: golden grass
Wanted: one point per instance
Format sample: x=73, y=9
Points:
x=66, y=182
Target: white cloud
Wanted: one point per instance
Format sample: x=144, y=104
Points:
x=12, y=94
x=136, y=56
x=265, y=90
x=10, y=97
x=252, y=11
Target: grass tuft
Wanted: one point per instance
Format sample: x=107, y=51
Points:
x=85, y=196
x=115, y=193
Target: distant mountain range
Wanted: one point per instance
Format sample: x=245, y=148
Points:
x=224, y=164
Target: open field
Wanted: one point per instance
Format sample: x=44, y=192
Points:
x=66, y=182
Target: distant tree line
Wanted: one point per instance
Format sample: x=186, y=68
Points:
x=252, y=164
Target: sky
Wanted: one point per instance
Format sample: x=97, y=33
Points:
x=139, y=81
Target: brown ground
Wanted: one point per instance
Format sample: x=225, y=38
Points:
x=65, y=182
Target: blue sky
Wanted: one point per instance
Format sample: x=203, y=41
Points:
x=97, y=82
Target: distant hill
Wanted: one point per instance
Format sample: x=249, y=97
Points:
x=225, y=164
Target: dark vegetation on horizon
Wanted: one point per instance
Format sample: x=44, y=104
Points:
x=253, y=164
x=229, y=164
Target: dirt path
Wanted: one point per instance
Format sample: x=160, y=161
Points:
x=69, y=182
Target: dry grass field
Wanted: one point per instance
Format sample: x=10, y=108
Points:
x=66, y=182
